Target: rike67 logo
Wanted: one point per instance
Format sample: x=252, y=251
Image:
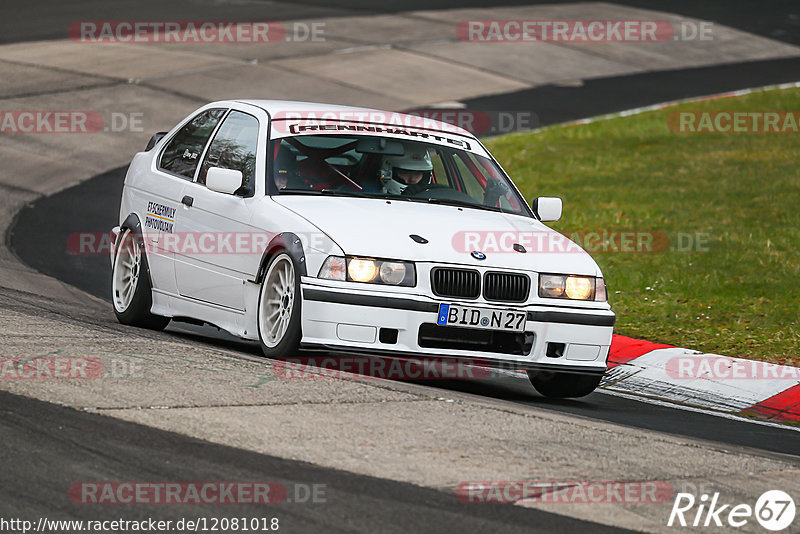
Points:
x=774, y=510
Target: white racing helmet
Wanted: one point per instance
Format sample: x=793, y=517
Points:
x=416, y=158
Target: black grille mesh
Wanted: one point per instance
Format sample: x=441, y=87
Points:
x=506, y=287
x=456, y=283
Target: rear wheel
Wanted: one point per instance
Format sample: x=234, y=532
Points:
x=565, y=385
x=279, y=308
x=130, y=285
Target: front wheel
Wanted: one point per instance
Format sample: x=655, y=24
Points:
x=279, y=308
x=130, y=285
x=557, y=385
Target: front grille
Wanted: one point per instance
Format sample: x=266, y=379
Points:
x=456, y=283
x=506, y=287
x=434, y=336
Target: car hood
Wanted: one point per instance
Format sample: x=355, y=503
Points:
x=381, y=229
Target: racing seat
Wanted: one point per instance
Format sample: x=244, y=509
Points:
x=285, y=166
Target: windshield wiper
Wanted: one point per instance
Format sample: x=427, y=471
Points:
x=457, y=203
x=340, y=193
x=384, y=196
x=302, y=191
x=299, y=190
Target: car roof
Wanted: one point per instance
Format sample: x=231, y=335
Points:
x=394, y=118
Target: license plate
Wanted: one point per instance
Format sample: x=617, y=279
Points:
x=486, y=318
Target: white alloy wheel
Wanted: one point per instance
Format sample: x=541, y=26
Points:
x=126, y=272
x=277, y=301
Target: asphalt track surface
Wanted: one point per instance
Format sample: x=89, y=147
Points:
x=36, y=20
x=552, y=104
x=39, y=463
x=88, y=447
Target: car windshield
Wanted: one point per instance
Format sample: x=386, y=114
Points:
x=383, y=167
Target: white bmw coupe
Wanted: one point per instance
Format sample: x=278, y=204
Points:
x=311, y=226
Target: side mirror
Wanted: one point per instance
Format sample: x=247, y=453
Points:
x=154, y=140
x=223, y=180
x=547, y=209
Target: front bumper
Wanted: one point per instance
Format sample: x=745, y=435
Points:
x=374, y=322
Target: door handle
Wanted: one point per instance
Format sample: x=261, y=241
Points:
x=187, y=200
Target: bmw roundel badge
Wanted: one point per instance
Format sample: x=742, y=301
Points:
x=478, y=255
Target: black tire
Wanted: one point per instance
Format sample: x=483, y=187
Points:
x=564, y=385
x=137, y=311
x=289, y=343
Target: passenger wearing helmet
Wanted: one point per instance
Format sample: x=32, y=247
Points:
x=284, y=169
x=407, y=174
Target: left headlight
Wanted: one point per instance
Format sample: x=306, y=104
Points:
x=368, y=270
x=562, y=286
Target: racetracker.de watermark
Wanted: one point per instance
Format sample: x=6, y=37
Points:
x=565, y=492
x=68, y=122
x=162, y=238
x=181, y=493
x=51, y=368
x=482, y=122
x=582, y=31
x=184, y=32
x=342, y=367
x=476, y=122
x=310, y=120
x=723, y=368
x=719, y=122
x=600, y=241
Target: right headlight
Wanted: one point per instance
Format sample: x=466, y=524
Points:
x=562, y=286
x=368, y=270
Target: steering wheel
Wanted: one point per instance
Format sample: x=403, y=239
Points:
x=411, y=191
x=441, y=191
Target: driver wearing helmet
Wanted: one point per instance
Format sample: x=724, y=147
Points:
x=407, y=174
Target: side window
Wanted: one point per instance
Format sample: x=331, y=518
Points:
x=182, y=154
x=477, y=177
x=234, y=147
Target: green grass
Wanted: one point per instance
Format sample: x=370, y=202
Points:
x=741, y=296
